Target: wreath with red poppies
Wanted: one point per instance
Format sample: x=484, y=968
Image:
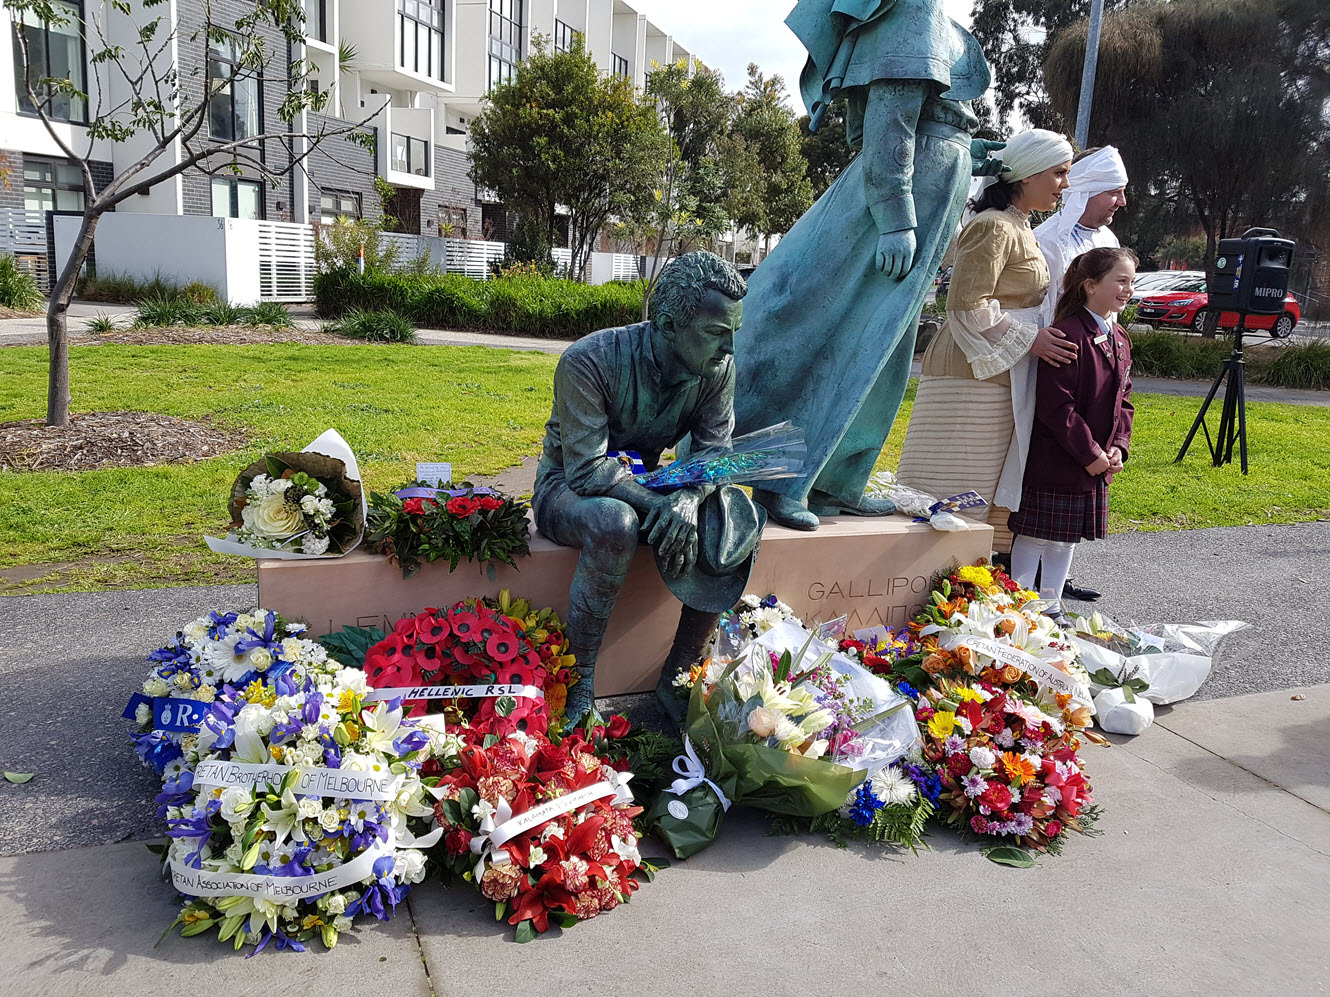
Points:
x=479, y=643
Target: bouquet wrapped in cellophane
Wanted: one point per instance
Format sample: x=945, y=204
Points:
x=775, y=452
x=784, y=724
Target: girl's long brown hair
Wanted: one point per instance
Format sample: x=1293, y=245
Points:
x=1090, y=265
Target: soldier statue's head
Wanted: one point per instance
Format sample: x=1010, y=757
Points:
x=696, y=307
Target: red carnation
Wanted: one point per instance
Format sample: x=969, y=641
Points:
x=1053, y=828
x=959, y=764
x=978, y=825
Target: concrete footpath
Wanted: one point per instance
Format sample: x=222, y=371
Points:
x=1211, y=876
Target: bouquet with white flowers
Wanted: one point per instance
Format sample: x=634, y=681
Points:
x=297, y=505
x=217, y=650
x=292, y=810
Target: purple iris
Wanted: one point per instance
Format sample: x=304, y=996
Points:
x=286, y=683
x=332, y=756
x=299, y=864
x=196, y=825
x=219, y=622
x=267, y=639
x=154, y=748
x=283, y=941
x=927, y=782
x=290, y=728
x=413, y=741
x=172, y=659
x=311, y=709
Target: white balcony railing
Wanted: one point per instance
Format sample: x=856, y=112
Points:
x=23, y=236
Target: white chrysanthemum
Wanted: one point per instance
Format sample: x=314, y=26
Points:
x=410, y=866
x=196, y=631
x=750, y=601
x=982, y=757
x=891, y=786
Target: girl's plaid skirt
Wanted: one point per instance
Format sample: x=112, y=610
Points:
x=1054, y=514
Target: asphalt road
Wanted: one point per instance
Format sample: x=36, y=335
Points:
x=68, y=663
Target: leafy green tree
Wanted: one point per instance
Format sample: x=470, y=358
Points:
x=561, y=133
x=687, y=207
x=1211, y=105
x=827, y=150
x=780, y=191
x=1189, y=250
x=155, y=93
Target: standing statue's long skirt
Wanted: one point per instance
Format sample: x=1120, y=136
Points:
x=827, y=339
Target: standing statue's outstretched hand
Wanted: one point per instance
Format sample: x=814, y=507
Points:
x=895, y=253
x=984, y=165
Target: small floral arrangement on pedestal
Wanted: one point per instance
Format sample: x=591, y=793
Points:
x=417, y=523
x=542, y=829
x=291, y=811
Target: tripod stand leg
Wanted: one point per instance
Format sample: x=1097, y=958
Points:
x=1224, y=437
x=1200, y=416
x=1242, y=419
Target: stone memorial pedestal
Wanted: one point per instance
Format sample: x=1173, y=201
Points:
x=876, y=571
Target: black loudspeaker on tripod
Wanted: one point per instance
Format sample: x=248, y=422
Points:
x=1250, y=277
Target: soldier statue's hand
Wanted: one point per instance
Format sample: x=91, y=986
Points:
x=981, y=163
x=671, y=527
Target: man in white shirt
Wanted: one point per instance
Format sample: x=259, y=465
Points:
x=1098, y=187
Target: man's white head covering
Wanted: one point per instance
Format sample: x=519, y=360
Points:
x=1028, y=153
x=1098, y=172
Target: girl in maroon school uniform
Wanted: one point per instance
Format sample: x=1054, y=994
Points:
x=1082, y=425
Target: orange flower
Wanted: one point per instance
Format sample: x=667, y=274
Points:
x=1015, y=766
x=556, y=697
x=1011, y=674
x=935, y=663
x=1006, y=626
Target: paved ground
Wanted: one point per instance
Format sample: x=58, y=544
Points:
x=1217, y=818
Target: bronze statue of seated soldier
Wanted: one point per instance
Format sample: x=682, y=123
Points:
x=642, y=388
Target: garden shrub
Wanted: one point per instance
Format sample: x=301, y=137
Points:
x=522, y=304
x=18, y=289
x=373, y=327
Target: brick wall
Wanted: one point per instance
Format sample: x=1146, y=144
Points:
x=452, y=187
x=338, y=163
x=13, y=196
x=193, y=52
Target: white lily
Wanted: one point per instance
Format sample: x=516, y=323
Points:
x=285, y=821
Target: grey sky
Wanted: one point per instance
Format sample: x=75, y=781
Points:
x=729, y=34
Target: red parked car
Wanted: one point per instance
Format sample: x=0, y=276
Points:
x=1186, y=306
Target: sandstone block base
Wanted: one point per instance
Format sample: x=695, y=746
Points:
x=876, y=571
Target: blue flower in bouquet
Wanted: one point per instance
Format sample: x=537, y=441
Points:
x=218, y=623
x=864, y=806
x=907, y=690
x=925, y=780
x=155, y=748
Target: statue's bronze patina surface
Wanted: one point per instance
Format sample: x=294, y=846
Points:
x=829, y=327
x=643, y=388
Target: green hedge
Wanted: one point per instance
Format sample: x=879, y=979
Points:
x=519, y=305
x=1173, y=354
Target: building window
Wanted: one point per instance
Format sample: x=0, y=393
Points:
x=233, y=108
x=232, y=198
x=410, y=155
x=50, y=185
x=505, y=39
x=564, y=36
x=452, y=222
x=335, y=204
x=55, y=51
x=619, y=65
x=316, y=19
x=420, y=35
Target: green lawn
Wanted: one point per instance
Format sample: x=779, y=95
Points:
x=482, y=409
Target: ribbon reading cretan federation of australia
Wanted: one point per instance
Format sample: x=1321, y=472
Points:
x=693, y=773
x=1038, y=669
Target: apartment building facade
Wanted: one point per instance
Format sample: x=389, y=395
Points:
x=414, y=71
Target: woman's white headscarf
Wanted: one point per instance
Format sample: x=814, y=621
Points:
x=1027, y=154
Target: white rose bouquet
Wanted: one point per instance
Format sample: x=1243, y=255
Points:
x=297, y=505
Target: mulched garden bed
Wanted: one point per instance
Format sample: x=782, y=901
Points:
x=224, y=335
x=111, y=439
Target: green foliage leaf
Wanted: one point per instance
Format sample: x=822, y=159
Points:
x=1010, y=855
x=18, y=778
x=526, y=932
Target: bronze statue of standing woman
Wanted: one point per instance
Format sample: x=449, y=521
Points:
x=829, y=325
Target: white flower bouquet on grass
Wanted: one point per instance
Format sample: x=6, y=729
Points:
x=297, y=505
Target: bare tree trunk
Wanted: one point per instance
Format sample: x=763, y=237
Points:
x=57, y=325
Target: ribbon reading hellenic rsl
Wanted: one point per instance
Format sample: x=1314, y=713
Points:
x=455, y=692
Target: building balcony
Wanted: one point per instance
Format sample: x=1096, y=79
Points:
x=401, y=44
x=406, y=146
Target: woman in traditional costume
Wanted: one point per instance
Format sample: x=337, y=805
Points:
x=830, y=318
x=970, y=427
